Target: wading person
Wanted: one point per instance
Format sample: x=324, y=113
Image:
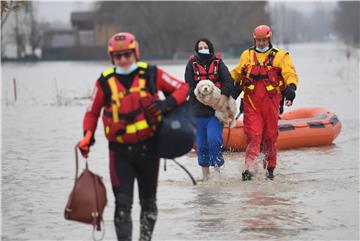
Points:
x=263, y=73
x=126, y=94
x=206, y=65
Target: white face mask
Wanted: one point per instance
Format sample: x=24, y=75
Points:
x=263, y=50
x=204, y=51
x=131, y=68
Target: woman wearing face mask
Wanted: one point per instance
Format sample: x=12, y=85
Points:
x=126, y=94
x=205, y=64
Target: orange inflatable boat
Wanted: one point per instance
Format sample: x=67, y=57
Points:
x=304, y=127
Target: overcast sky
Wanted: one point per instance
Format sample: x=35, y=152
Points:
x=306, y=6
x=59, y=11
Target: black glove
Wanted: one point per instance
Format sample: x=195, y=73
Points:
x=157, y=107
x=236, y=91
x=289, y=92
x=281, y=107
x=241, y=106
x=241, y=109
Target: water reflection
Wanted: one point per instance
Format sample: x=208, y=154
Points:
x=210, y=204
x=272, y=216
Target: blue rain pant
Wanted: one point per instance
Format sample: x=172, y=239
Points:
x=209, y=141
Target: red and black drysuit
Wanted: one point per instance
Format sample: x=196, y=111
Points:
x=132, y=138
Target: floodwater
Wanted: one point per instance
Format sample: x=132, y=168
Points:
x=315, y=194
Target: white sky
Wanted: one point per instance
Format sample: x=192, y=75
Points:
x=59, y=11
x=308, y=6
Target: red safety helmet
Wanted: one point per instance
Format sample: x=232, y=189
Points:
x=262, y=31
x=122, y=42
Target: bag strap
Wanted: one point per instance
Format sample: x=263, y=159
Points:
x=77, y=163
x=68, y=208
x=96, y=215
x=184, y=168
x=102, y=233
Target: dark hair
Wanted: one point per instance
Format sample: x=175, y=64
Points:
x=209, y=44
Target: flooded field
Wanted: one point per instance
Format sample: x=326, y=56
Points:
x=315, y=194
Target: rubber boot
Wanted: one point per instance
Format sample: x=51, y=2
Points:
x=246, y=175
x=270, y=173
x=148, y=218
x=206, y=173
x=122, y=219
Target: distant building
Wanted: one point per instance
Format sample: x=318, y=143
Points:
x=57, y=38
x=85, y=40
x=83, y=24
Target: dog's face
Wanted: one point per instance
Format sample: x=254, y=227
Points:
x=205, y=87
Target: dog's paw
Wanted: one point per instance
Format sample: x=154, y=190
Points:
x=232, y=123
x=222, y=118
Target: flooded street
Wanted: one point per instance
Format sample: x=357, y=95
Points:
x=315, y=194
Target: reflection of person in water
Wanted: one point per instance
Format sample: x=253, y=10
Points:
x=211, y=204
x=271, y=215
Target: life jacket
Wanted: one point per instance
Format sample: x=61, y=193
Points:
x=273, y=80
x=200, y=72
x=125, y=121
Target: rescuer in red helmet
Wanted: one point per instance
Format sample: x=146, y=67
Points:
x=126, y=95
x=264, y=74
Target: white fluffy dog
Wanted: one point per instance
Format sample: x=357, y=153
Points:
x=207, y=93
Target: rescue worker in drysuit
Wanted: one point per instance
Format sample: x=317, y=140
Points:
x=132, y=111
x=206, y=65
x=264, y=74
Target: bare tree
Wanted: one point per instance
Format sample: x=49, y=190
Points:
x=164, y=28
x=23, y=29
x=347, y=21
x=19, y=37
x=36, y=28
x=292, y=25
x=7, y=7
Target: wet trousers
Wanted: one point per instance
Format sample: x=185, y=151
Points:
x=128, y=162
x=261, y=128
x=209, y=141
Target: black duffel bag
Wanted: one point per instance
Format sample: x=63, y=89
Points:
x=177, y=133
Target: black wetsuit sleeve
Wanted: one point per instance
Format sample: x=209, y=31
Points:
x=189, y=78
x=227, y=83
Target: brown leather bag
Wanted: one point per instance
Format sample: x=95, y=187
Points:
x=88, y=198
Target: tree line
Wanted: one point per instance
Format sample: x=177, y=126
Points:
x=347, y=21
x=165, y=28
